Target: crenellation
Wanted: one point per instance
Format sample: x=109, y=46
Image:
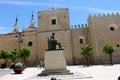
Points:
x=99, y=15
x=78, y=25
x=117, y=13
x=71, y=26
x=86, y=25
x=75, y=26
x=108, y=14
x=94, y=16
x=53, y=9
x=104, y=15
x=82, y=25
x=113, y=14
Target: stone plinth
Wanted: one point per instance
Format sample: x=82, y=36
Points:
x=55, y=63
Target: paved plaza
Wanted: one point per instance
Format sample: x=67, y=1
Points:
x=80, y=72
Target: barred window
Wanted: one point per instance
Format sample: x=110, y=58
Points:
x=81, y=41
x=53, y=22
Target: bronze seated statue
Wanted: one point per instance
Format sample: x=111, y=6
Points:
x=53, y=43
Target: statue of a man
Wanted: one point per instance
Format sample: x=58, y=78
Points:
x=52, y=43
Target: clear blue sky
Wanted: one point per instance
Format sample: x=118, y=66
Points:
x=78, y=9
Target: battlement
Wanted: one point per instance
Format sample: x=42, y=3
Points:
x=104, y=15
x=79, y=26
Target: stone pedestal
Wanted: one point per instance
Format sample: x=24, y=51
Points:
x=55, y=63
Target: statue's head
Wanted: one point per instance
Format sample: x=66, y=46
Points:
x=53, y=34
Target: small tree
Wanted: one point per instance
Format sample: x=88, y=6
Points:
x=86, y=51
x=5, y=55
x=13, y=55
x=109, y=49
x=25, y=52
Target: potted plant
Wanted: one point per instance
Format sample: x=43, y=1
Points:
x=18, y=68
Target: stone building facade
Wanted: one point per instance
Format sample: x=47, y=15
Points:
x=105, y=29
x=99, y=30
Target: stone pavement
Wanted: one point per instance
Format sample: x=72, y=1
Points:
x=28, y=72
x=96, y=72
x=4, y=72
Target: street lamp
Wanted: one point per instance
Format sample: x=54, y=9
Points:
x=19, y=38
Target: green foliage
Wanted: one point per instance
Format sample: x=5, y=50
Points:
x=86, y=50
x=25, y=52
x=108, y=48
x=13, y=55
x=5, y=55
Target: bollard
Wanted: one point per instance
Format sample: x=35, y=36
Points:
x=53, y=78
x=119, y=78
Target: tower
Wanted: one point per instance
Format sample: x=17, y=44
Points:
x=53, y=19
x=16, y=27
x=57, y=21
x=104, y=29
x=32, y=24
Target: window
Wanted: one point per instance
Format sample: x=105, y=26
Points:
x=2, y=50
x=53, y=22
x=15, y=49
x=112, y=28
x=30, y=43
x=118, y=45
x=81, y=41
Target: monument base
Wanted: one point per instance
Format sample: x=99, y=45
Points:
x=54, y=72
x=55, y=63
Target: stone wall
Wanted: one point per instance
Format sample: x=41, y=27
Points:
x=8, y=42
x=105, y=29
x=62, y=36
x=61, y=15
x=78, y=33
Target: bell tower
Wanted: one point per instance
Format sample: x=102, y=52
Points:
x=32, y=24
x=16, y=26
x=53, y=19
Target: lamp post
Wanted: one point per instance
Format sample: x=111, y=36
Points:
x=19, y=38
